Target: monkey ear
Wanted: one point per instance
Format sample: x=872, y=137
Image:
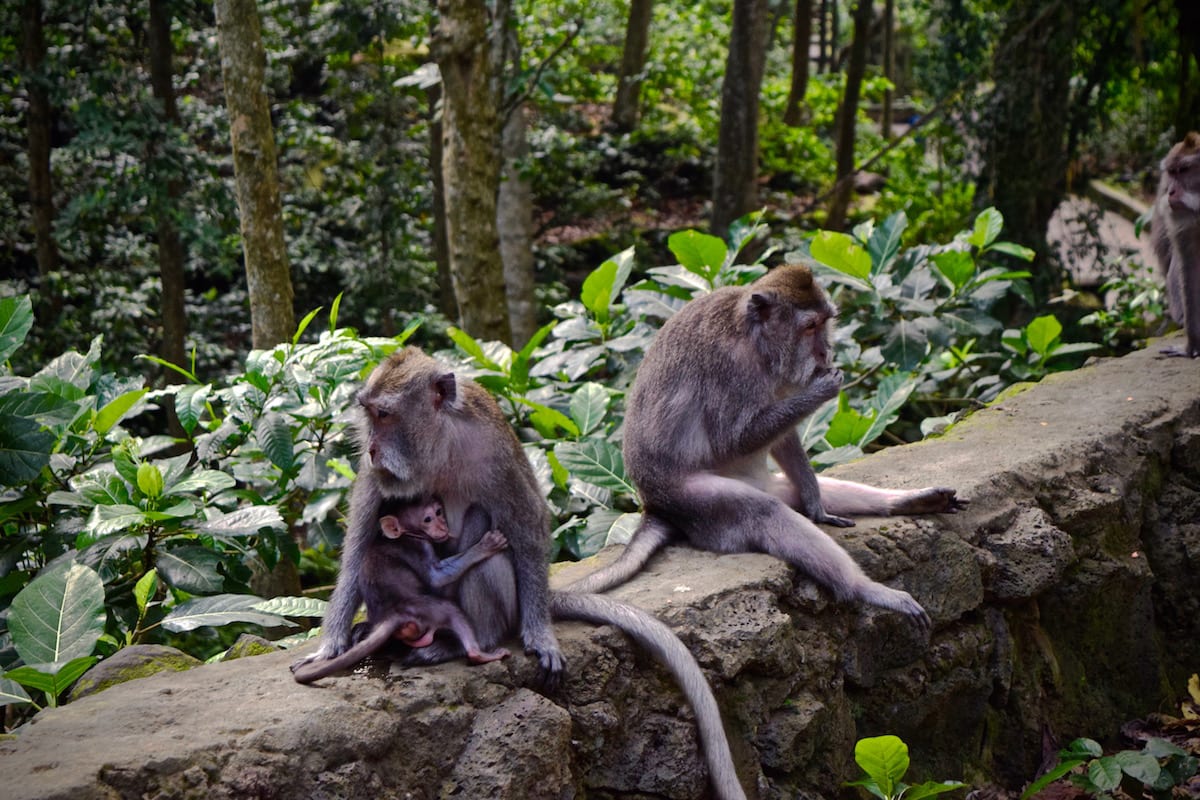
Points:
x=445, y=390
x=759, y=306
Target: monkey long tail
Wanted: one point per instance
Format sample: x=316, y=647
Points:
x=666, y=647
x=651, y=534
x=377, y=638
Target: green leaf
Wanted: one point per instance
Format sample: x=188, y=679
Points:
x=1139, y=765
x=218, y=610
x=848, y=427
x=202, y=480
x=987, y=227
x=191, y=568
x=604, y=284
x=24, y=449
x=1104, y=774
x=54, y=678
x=1050, y=777
x=115, y=410
x=244, y=522
x=957, y=265
x=1082, y=748
x=884, y=759
x=1161, y=748
x=1042, y=332
x=595, y=461
x=884, y=242
x=145, y=589
x=304, y=324
x=16, y=319
x=149, y=479
x=275, y=438
x=906, y=345
x=700, y=253
x=106, y=520
x=472, y=348
x=11, y=692
x=59, y=616
x=190, y=402
x=931, y=788
x=589, y=403
x=840, y=252
x=293, y=607
x=1013, y=249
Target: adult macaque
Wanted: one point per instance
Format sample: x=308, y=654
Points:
x=1175, y=234
x=399, y=574
x=722, y=387
x=426, y=432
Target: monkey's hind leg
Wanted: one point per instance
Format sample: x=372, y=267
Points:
x=858, y=499
x=651, y=534
x=728, y=516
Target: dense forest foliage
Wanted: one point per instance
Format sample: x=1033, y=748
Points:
x=532, y=188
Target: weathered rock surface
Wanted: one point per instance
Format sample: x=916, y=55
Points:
x=1065, y=598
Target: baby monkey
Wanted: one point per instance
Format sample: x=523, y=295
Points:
x=400, y=578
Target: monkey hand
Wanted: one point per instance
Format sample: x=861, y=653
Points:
x=826, y=384
x=493, y=542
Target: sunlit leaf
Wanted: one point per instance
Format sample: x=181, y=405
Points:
x=1042, y=332
x=11, y=692
x=884, y=759
x=595, y=461
x=244, y=521
x=218, y=610
x=293, y=606
x=115, y=410
x=16, y=319
x=840, y=252
x=589, y=404
x=59, y=616
x=702, y=253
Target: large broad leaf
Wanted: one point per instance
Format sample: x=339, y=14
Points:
x=595, y=461
x=275, y=438
x=24, y=449
x=16, y=318
x=1042, y=333
x=842, y=253
x=59, y=616
x=1104, y=774
x=957, y=266
x=907, y=344
x=293, y=606
x=116, y=410
x=244, y=522
x=588, y=406
x=218, y=610
x=604, y=284
x=190, y=402
x=701, y=253
x=11, y=692
x=191, y=568
x=53, y=679
x=106, y=520
x=884, y=242
x=884, y=759
x=987, y=227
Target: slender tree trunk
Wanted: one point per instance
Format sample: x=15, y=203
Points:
x=1187, y=116
x=735, y=181
x=802, y=18
x=1024, y=127
x=441, y=248
x=847, y=117
x=470, y=63
x=633, y=62
x=170, y=246
x=268, y=274
x=41, y=186
x=514, y=219
x=822, y=36
x=889, y=65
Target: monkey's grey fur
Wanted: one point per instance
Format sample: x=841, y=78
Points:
x=722, y=387
x=1175, y=234
x=427, y=432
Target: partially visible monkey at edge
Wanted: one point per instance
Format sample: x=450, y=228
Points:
x=399, y=576
x=1175, y=234
x=722, y=387
x=427, y=432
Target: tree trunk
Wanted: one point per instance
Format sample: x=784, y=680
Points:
x=1024, y=127
x=633, y=62
x=735, y=181
x=268, y=275
x=41, y=186
x=514, y=219
x=889, y=66
x=471, y=156
x=441, y=249
x=1187, y=116
x=170, y=246
x=847, y=118
x=802, y=18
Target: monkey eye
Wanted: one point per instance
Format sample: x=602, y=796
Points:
x=382, y=413
x=428, y=519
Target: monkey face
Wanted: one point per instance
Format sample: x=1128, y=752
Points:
x=403, y=418
x=791, y=319
x=1179, y=188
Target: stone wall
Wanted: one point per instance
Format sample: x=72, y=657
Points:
x=1065, y=599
